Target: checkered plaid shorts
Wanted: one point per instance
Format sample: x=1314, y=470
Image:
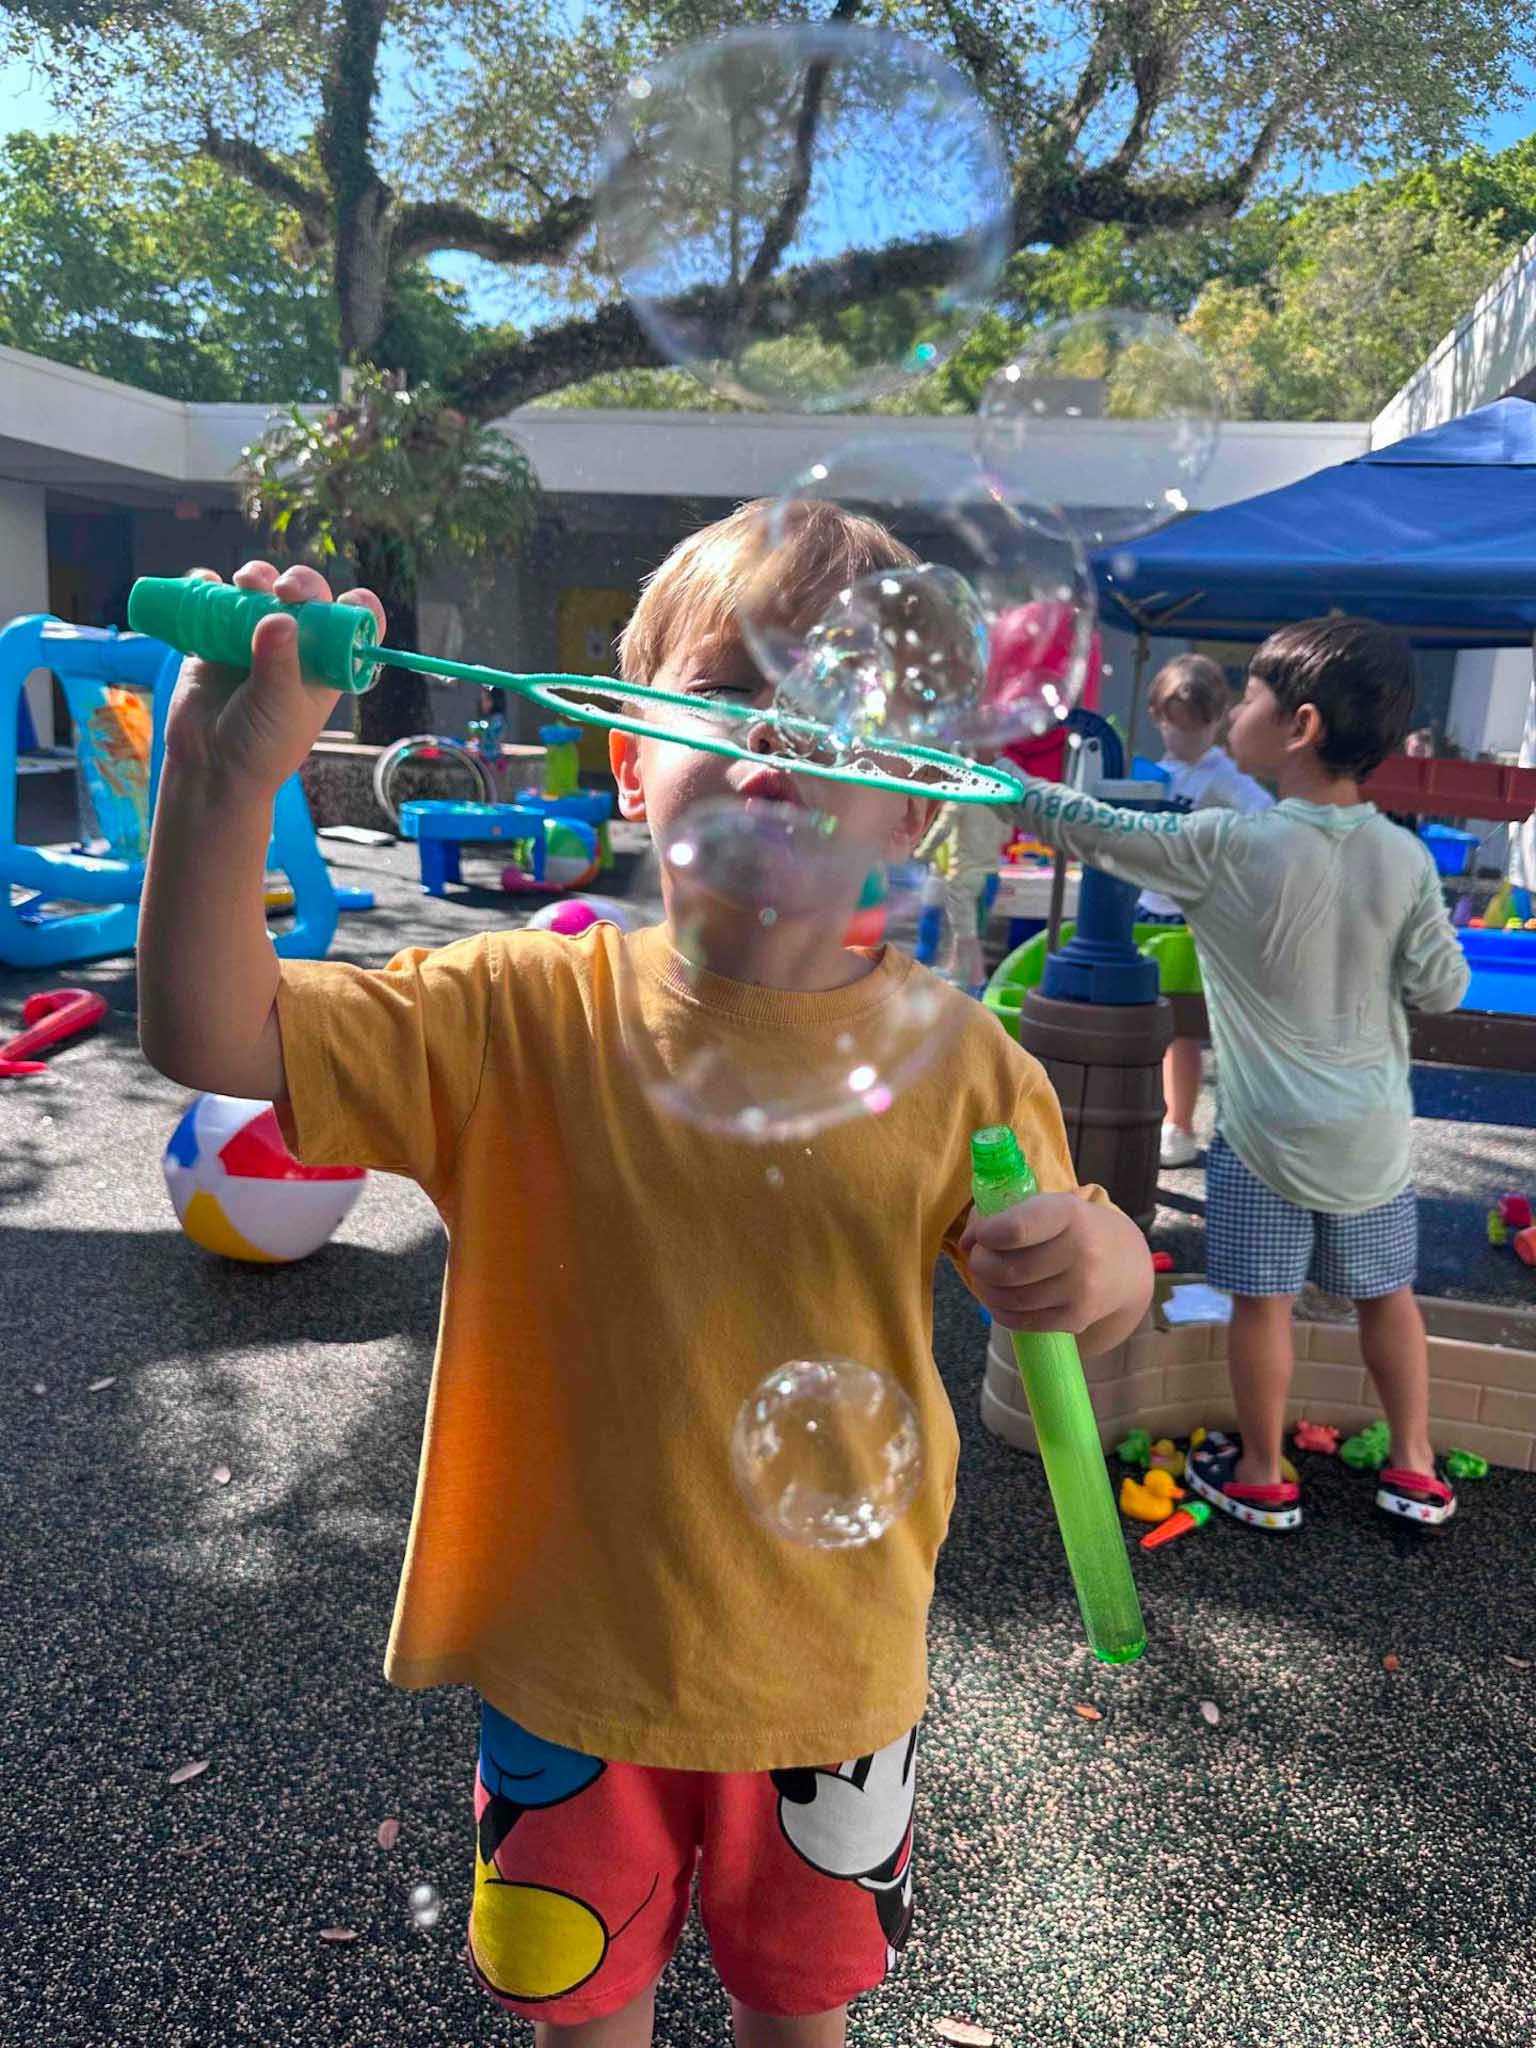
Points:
x=1256, y=1242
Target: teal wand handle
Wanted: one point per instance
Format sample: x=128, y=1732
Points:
x=338, y=643
x=1068, y=1435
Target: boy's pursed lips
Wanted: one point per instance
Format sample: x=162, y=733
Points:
x=772, y=784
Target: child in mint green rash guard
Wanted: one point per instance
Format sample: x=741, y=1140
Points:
x=1316, y=923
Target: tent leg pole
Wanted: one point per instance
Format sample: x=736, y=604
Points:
x=1142, y=652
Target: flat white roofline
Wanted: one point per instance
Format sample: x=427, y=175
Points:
x=72, y=429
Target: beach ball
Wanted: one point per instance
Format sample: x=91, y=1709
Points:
x=569, y=862
x=239, y=1191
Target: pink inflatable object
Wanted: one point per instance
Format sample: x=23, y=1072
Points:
x=578, y=914
x=1031, y=645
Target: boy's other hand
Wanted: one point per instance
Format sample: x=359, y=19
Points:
x=249, y=733
x=1057, y=1262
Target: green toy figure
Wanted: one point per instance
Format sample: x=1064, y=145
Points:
x=1368, y=1451
x=1466, y=1465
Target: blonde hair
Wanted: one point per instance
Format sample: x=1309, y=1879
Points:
x=787, y=569
x=1196, y=684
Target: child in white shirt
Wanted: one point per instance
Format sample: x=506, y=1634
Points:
x=1190, y=703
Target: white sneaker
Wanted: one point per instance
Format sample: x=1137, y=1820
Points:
x=1179, y=1148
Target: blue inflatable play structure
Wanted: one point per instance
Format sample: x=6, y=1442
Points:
x=59, y=905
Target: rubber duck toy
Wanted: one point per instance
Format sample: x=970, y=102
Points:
x=1166, y=1456
x=1142, y=1504
x=1151, y=1499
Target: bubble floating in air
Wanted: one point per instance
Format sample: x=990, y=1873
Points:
x=763, y=1025
x=426, y=1906
x=804, y=215
x=1112, y=415
x=828, y=1452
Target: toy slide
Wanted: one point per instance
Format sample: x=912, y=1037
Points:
x=1170, y=945
x=59, y=905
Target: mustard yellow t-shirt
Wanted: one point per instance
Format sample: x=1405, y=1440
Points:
x=618, y=1281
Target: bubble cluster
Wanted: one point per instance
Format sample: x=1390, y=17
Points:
x=808, y=217
x=981, y=638
x=1113, y=414
x=805, y=216
x=828, y=1453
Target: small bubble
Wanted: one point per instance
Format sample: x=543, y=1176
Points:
x=426, y=1906
x=774, y=1177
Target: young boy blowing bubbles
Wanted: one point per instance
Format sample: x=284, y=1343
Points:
x=1317, y=921
x=665, y=1685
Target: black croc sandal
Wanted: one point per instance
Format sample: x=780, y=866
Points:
x=1208, y=1471
x=1425, y=1500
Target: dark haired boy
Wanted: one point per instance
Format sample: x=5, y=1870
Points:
x=1316, y=922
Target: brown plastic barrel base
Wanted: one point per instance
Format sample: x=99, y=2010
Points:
x=1105, y=1061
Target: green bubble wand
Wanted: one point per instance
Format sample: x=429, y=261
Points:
x=339, y=649
x=1067, y=1432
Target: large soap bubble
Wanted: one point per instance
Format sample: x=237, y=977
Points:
x=1113, y=415
x=805, y=216
x=758, y=1032
x=980, y=637
x=828, y=1452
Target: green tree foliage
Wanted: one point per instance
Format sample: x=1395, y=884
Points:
x=1123, y=119
x=1359, y=286
x=1309, y=307
x=385, y=481
x=181, y=281
x=182, y=278
x=1348, y=315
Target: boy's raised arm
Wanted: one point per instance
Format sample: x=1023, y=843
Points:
x=1173, y=851
x=208, y=975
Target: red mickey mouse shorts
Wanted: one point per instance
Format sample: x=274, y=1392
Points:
x=585, y=1871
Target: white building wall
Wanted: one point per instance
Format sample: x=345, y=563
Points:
x=24, y=580
x=1490, y=352
x=1489, y=700
x=78, y=426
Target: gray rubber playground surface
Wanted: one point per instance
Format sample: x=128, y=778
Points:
x=1342, y=1859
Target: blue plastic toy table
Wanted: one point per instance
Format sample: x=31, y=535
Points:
x=1503, y=968
x=440, y=828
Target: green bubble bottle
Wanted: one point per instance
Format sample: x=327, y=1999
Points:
x=1068, y=1435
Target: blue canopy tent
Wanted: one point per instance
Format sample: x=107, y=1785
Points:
x=1435, y=535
